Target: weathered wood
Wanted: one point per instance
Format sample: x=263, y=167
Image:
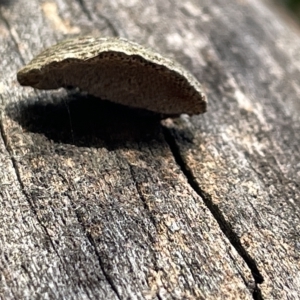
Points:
x=99, y=201
x=248, y=165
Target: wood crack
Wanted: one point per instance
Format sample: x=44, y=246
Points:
x=225, y=226
x=138, y=189
x=14, y=163
x=151, y=217
x=91, y=241
x=22, y=188
x=106, y=275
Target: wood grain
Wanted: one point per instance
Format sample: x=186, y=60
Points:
x=101, y=202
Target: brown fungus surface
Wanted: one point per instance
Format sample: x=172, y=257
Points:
x=118, y=70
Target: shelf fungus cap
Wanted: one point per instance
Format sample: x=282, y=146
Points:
x=118, y=70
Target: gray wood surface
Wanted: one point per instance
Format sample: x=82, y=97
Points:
x=101, y=202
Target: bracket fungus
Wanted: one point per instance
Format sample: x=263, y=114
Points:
x=118, y=70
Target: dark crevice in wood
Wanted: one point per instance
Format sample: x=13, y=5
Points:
x=18, y=176
x=251, y=285
x=138, y=189
x=101, y=263
x=151, y=217
x=225, y=226
x=92, y=242
x=88, y=14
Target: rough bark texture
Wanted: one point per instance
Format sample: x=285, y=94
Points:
x=98, y=201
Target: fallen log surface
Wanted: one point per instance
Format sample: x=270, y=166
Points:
x=99, y=201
